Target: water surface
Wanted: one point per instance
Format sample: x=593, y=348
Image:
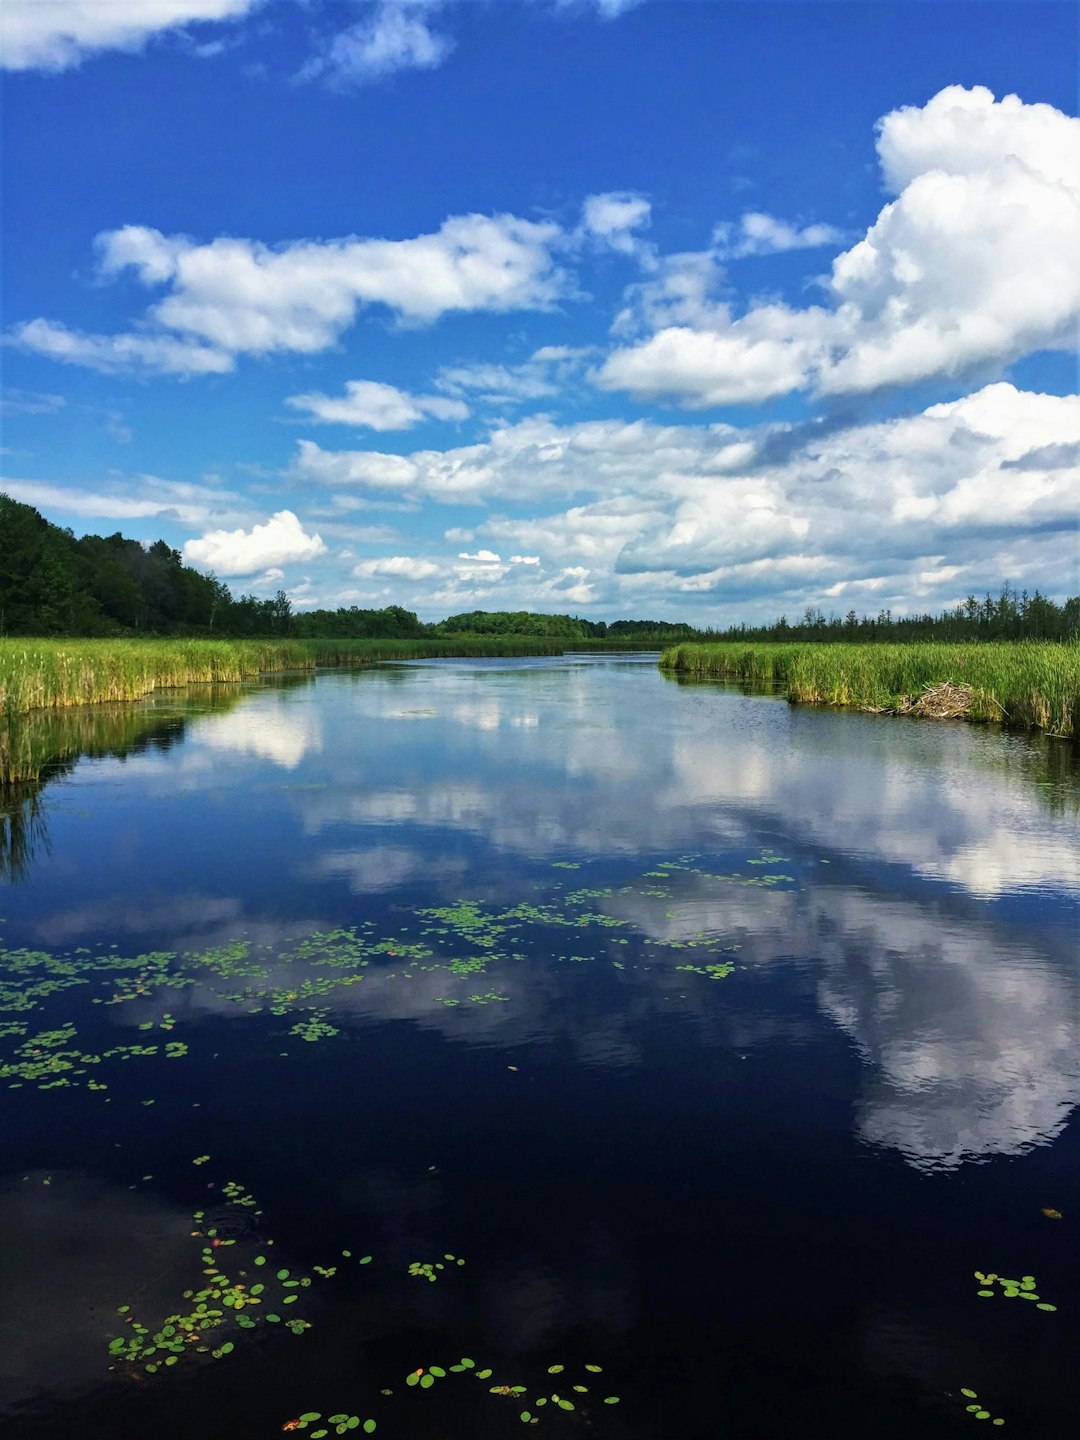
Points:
x=723, y=1041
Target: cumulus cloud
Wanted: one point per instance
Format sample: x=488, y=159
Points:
x=399, y=567
x=919, y=508
x=733, y=362
x=931, y=482
x=59, y=34
x=971, y=266
x=396, y=35
x=361, y=469
x=529, y=459
x=234, y=296
x=377, y=406
x=277, y=541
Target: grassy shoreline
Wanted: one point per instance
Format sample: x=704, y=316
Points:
x=38, y=674
x=43, y=677
x=1030, y=685
x=1022, y=685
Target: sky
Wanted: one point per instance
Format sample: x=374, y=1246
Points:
x=683, y=309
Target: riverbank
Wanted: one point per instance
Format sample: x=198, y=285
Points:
x=42, y=676
x=37, y=674
x=1026, y=685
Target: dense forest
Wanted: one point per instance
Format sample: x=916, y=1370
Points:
x=52, y=583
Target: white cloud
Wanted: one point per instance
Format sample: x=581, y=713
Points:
x=112, y=354
x=919, y=508
x=58, y=34
x=494, y=384
x=277, y=541
x=733, y=362
x=606, y=9
x=30, y=402
x=170, y=499
x=378, y=406
x=971, y=266
x=613, y=217
x=485, y=557
x=497, y=384
x=932, y=482
x=398, y=567
x=394, y=36
x=524, y=461
x=234, y=296
x=363, y=469
x=682, y=290
x=760, y=234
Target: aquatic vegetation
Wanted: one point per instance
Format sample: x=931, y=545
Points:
x=315, y=1027
x=714, y=972
x=300, y=981
x=427, y=1269
x=572, y=1393
x=1024, y=685
x=341, y=1422
x=230, y=1299
x=1022, y=1289
x=977, y=1409
x=426, y=1378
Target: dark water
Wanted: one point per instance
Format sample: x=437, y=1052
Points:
x=755, y=1195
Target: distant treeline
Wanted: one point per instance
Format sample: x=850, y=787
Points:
x=52, y=583
x=1012, y=616
x=107, y=585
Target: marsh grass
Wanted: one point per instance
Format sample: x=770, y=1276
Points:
x=1022, y=685
x=49, y=674
x=40, y=678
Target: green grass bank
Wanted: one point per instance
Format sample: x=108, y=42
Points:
x=1026, y=685
x=46, y=674
x=39, y=676
x=43, y=674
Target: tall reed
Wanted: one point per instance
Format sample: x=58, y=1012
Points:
x=1024, y=685
x=46, y=674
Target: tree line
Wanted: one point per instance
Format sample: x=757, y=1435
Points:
x=52, y=583
x=1011, y=615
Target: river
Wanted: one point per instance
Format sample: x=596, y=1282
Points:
x=447, y=1043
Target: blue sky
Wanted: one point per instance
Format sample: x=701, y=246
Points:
x=707, y=310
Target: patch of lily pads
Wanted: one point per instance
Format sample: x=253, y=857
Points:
x=462, y=941
x=237, y=1294
x=563, y=1389
x=429, y=1269
x=1022, y=1289
x=977, y=1409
